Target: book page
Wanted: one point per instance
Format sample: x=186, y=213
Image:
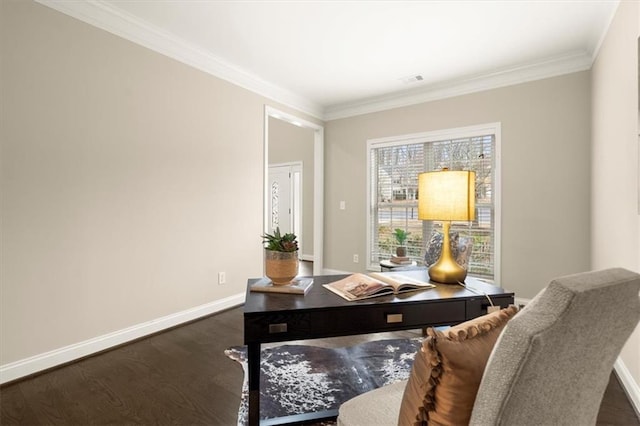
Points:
x=397, y=280
x=357, y=286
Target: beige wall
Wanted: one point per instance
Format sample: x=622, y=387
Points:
x=116, y=163
x=290, y=143
x=545, y=174
x=616, y=219
x=129, y=180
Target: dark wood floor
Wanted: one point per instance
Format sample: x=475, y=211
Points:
x=179, y=377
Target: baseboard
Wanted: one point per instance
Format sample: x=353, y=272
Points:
x=307, y=257
x=630, y=386
x=54, y=358
x=326, y=271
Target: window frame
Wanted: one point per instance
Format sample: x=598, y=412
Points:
x=436, y=136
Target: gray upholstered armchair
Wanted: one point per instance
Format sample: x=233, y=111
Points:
x=549, y=364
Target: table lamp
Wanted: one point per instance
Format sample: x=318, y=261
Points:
x=445, y=196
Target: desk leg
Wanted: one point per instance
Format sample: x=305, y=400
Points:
x=253, y=364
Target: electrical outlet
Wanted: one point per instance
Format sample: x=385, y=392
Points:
x=222, y=278
x=355, y=258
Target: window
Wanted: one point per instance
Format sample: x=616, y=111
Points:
x=392, y=174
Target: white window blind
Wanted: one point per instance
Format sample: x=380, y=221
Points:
x=394, y=166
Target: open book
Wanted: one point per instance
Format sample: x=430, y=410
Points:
x=360, y=286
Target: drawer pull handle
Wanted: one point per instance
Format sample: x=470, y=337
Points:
x=394, y=318
x=278, y=328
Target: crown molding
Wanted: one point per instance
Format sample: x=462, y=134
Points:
x=553, y=67
x=104, y=16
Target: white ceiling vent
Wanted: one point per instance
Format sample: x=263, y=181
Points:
x=412, y=79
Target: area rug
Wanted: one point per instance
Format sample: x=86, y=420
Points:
x=298, y=379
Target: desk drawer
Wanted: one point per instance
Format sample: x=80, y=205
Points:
x=387, y=318
x=354, y=320
x=478, y=306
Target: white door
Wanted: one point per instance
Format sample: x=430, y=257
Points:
x=285, y=199
x=280, y=199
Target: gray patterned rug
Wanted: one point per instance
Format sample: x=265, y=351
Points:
x=298, y=379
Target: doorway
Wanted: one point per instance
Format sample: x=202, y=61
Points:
x=314, y=168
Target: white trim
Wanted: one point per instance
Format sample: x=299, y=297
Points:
x=56, y=357
x=497, y=205
x=536, y=71
x=318, y=178
x=113, y=20
x=438, y=135
x=629, y=385
x=318, y=201
x=369, y=199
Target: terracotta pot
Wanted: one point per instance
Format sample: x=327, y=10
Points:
x=280, y=267
x=401, y=251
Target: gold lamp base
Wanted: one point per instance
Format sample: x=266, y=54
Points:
x=446, y=270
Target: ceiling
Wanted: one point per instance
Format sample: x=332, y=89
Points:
x=333, y=59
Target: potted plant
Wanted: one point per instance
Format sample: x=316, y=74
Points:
x=401, y=236
x=280, y=257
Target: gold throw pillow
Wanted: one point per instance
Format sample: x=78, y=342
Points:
x=447, y=370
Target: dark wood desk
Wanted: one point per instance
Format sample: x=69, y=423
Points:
x=272, y=317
